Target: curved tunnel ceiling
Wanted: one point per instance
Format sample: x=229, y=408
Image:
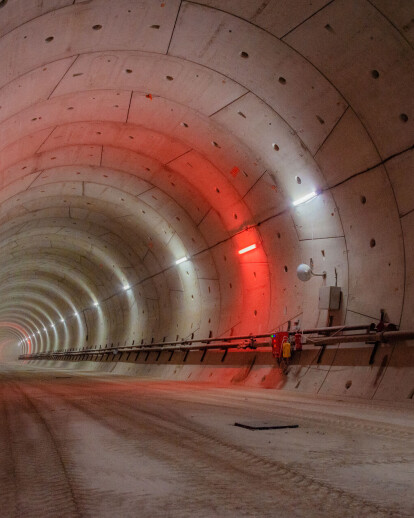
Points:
x=134, y=134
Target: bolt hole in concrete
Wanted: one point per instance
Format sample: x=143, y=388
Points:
x=3, y=3
x=49, y=39
x=184, y=124
x=285, y=268
x=363, y=200
x=154, y=27
x=128, y=71
x=276, y=147
x=404, y=117
x=282, y=80
x=375, y=74
x=244, y=55
x=97, y=27
x=169, y=78
x=372, y=243
x=298, y=179
x=348, y=384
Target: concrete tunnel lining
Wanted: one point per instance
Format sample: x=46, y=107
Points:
x=214, y=147
x=143, y=145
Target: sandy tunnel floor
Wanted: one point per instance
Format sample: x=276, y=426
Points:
x=88, y=445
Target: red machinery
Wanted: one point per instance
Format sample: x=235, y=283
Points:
x=277, y=341
x=298, y=341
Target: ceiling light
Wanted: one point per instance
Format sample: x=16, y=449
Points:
x=96, y=304
x=62, y=320
x=306, y=198
x=247, y=249
x=126, y=287
x=182, y=260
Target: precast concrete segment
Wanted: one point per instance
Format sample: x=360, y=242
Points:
x=125, y=445
x=377, y=85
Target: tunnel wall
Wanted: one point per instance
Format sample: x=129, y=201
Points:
x=341, y=371
x=138, y=133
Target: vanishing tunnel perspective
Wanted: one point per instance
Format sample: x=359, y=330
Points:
x=201, y=200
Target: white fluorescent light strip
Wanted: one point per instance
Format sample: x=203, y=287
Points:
x=247, y=249
x=182, y=260
x=306, y=198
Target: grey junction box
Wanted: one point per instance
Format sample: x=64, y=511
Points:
x=329, y=297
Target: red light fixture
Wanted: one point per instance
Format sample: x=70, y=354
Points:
x=247, y=249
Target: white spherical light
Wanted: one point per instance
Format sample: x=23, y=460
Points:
x=304, y=272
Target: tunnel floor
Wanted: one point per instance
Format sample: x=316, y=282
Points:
x=86, y=445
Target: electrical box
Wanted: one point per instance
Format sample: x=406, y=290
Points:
x=329, y=297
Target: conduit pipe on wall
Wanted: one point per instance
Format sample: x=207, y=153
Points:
x=225, y=342
x=384, y=336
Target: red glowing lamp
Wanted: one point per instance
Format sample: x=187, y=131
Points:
x=247, y=249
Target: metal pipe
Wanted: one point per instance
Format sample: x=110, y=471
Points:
x=369, y=337
x=384, y=336
x=181, y=344
x=361, y=327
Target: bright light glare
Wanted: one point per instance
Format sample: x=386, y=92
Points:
x=306, y=198
x=75, y=314
x=96, y=304
x=182, y=260
x=62, y=320
x=126, y=287
x=247, y=249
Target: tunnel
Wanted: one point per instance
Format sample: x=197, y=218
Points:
x=165, y=168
